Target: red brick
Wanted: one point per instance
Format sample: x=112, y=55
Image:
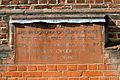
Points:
x=32, y=74
x=3, y=68
x=12, y=79
x=104, y=78
x=92, y=67
x=52, y=67
x=12, y=68
x=3, y=78
x=22, y=68
x=73, y=78
x=52, y=78
x=72, y=74
x=84, y=78
x=93, y=73
x=52, y=74
x=102, y=67
x=22, y=79
x=42, y=1
x=111, y=73
x=42, y=68
x=11, y=74
x=114, y=78
x=42, y=79
x=82, y=67
x=72, y=67
x=63, y=79
x=32, y=68
x=61, y=67
x=94, y=78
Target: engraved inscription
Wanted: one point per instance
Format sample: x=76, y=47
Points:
x=61, y=44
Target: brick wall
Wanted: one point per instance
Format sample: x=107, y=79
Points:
x=102, y=71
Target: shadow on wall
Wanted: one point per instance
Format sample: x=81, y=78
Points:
x=112, y=33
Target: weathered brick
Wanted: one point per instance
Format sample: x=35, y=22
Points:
x=90, y=1
x=5, y=2
x=114, y=29
x=11, y=74
x=72, y=74
x=22, y=68
x=114, y=78
x=33, y=2
x=108, y=1
x=42, y=7
x=61, y=1
x=98, y=1
x=113, y=35
x=4, y=30
x=52, y=74
x=3, y=24
x=93, y=73
x=112, y=67
x=104, y=78
x=111, y=73
x=14, y=2
x=42, y=1
x=4, y=41
x=114, y=6
x=80, y=1
x=62, y=78
x=81, y=6
x=72, y=67
x=32, y=68
x=3, y=36
x=70, y=1
x=99, y=6
x=32, y=74
x=51, y=1
x=43, y=79
x=22, y=7
x=116, y=1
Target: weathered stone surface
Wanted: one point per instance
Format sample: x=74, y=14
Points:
x=54, y=43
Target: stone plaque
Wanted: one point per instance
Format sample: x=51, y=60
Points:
x=59, y=43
